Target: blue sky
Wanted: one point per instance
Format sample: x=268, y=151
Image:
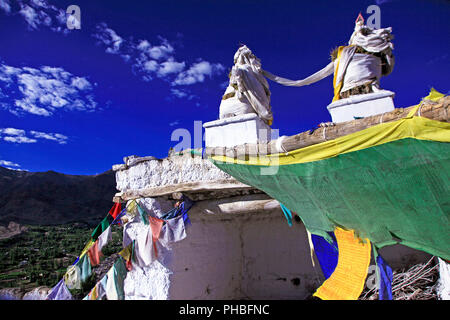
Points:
x=78, y=101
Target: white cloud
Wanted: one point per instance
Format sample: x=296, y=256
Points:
x=150, y=60
x=19, y=139
x=197, y=73
x=178, y=93
x=45, y=90
x=109, y=38
x=160, y=52
x=169, y=67
x=7, y=163
x=182, y=94
x=81, y=83
x=60, y=138
x=151, y=66
x=37, y=13
x=12, y=132
x=39, y=3
x=5, y=6
x=21, y=136
x=30, y=16
x=143, y=45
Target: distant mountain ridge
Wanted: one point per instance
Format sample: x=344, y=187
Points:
x=49, y=198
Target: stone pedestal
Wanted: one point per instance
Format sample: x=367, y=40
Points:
x=361, y=106
x=230, y=132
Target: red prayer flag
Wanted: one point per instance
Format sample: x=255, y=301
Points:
x=129, y=265
x=156, y=226
x=94, y=254
x=115, y=210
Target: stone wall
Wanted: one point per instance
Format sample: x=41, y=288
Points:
x=168, y=171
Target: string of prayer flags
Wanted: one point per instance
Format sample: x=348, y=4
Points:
x=348, y=279
x=115, y=210
x=60, y=292
x=141, y=250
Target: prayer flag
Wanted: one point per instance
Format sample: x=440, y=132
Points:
x=348, y=279
x=115, y=210
x=326, y=253
x=100, y=228
x=59, y=292
x=384, y=279
x=94, y=254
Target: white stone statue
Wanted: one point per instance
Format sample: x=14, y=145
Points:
x=357, y=70
x=248, y=90
x=360, y=64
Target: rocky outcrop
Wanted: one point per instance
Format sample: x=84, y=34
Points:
x=39, y=293
x=12, y=230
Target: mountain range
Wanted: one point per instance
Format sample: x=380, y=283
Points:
x=51, y=198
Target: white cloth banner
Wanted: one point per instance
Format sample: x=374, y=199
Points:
x=144, y=252
x=319, y=75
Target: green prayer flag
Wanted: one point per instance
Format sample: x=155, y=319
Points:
x=100, y=228
x=394, y=192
